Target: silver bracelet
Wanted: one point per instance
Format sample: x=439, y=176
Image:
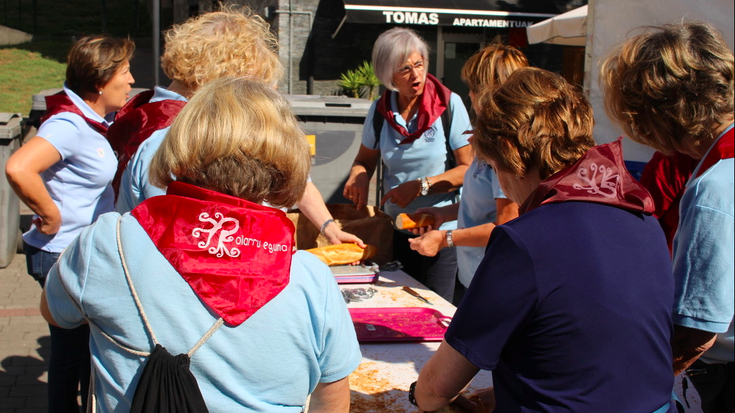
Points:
x=324, y=226
x=450, y=240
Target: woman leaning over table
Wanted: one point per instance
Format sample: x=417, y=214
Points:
x=214, y=254
x=63, y=174
x=571, y=307
x=483, y=205
x=413, y=146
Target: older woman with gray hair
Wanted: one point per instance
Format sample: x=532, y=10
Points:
x=219, y=267
x=417, y=130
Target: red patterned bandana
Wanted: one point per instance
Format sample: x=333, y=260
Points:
x=135, y=123
x=434, y=101
x=235, y=255
x=599, y=176
x=60, y=102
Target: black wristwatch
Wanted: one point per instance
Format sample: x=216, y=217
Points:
x=411, y=397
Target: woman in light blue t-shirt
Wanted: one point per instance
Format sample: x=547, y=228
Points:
x=425, y=152
x=63, y=174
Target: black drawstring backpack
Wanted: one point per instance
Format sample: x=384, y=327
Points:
x=166, y=385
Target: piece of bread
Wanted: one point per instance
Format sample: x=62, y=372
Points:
x=408, y=221
x=341, y=254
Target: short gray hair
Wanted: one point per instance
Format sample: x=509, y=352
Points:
x=392, y=48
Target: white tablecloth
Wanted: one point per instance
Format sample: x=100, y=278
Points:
x=380, y=384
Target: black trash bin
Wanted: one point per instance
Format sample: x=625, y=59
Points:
x=333, y=124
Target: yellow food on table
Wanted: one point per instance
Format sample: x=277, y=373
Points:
x=341, y=254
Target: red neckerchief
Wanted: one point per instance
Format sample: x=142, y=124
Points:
x=433, y=102
x=118, y=138
x=235, y=255
x=60, y=103
x=723, y=149
x=599, y=176
x=666, y=177
x=135, y=123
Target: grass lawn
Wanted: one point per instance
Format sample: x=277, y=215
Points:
x=27, y=68
x=23, y=73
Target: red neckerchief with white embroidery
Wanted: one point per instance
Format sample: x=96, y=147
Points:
x=433, y=102
x=599, y=176
x=60, y=103
x=135, y=123
x=723, y=149
x=235, y=255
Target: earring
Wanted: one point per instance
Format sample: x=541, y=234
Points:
x=100, y=91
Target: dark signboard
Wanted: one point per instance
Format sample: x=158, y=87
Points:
x=467, y=13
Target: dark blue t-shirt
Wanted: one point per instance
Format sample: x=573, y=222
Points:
x=571, y=310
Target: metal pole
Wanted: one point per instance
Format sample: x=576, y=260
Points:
x=290, y=45
x=156, y=38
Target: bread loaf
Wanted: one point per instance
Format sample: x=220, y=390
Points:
x=341, y=254
x=408, y=221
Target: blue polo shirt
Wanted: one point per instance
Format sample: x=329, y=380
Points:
x=426, y=156
x=79, y=184
x=571, y=310
x=704, y=261
x=477, y=207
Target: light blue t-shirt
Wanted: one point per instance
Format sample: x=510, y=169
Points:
x=477, y=207
x=270, y=363
x=704, y=261
x=426, y=156
x=134, y=184
x=79, y=183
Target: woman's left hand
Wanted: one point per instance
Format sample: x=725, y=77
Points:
x=403, y=194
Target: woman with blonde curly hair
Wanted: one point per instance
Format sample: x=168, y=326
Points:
x=228, y=42
x=576, y=292
x=671, y=88
x=270, y=325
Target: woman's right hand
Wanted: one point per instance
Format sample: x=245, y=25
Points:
x=357, y=186
x=23, y=171
x=48, y=225
x=358, y=183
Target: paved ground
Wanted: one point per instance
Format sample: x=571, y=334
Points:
x=24, y=342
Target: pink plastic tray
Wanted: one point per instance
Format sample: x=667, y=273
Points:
x=356, y=279
x=398, y=324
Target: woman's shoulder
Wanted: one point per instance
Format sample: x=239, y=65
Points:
x=309, y=269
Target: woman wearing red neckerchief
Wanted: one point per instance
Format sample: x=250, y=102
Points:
x=422, y=144
x=63, y=174
x=207, y=261
x=671, y=88
x=574, y=294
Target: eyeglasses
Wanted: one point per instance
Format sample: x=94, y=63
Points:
x=406, y=70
